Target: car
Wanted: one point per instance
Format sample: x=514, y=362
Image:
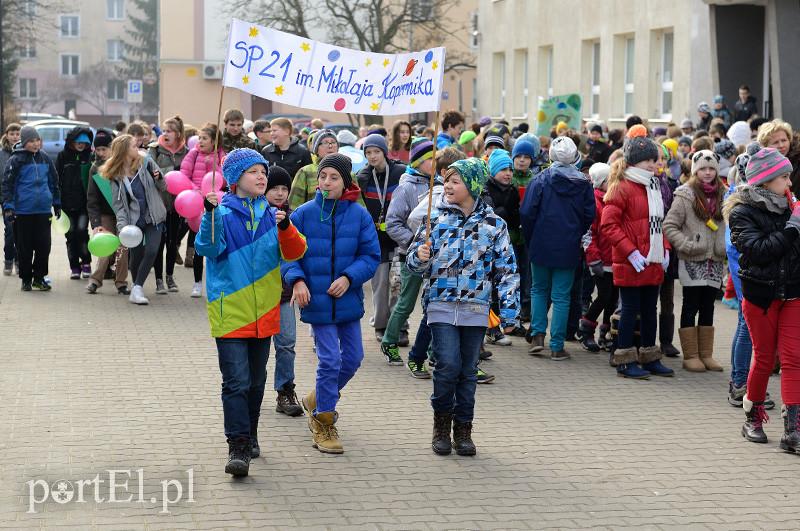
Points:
x=27, y=117
x=54, y=133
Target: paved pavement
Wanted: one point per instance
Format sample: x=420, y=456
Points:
x=90, y=384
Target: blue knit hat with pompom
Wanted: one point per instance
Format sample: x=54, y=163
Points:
x=238, y=161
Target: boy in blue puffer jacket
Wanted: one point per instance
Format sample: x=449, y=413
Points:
x=30, y=190
x=343, y=254
x=468, y=255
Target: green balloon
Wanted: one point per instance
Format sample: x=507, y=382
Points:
x=103, y=244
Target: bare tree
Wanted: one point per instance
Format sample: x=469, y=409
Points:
x=89, y=86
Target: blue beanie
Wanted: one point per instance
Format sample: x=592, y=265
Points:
x=238, y=161
x=499, y=160
x=377, y=141
x=526, y=145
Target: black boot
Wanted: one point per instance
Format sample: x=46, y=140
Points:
x=666, y=331
x=238, y=457
x=255, y=449
x=755, y=416
x=791, y=428
x=462, y=438
x=287, y=403
x=441, y=433
x=586, y=330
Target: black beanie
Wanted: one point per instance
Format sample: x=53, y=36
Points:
x=277, y=176
x=341, y=163
x=103, y=138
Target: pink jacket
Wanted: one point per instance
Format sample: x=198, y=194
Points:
x=195, y=165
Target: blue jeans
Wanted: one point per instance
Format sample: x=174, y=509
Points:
x=551, y=283
x=643, y=302
x=524, y=268
x=741, y=351
x=284, y=348
x=243, y=363
x=422, y=341
x=339, y=355
x=9, y=250
x=455, y=374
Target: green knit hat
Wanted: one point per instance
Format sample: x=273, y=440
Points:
x=474, y=174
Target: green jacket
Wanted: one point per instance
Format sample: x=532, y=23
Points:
x=304, y=186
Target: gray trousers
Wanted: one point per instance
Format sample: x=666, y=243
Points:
x=382, y=298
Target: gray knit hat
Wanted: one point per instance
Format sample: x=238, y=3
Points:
x=27, y=134
x=638, y=149
x=321, y=135
x=765, y=166
x=725, y=148
x=341, y=163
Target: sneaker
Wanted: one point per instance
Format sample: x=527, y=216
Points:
x=161, y=289
x=91, y=288
x=41, y=285
x=559, y=355
x=484, y=377
x=137, y=296
x=403, y=341
x=8, y=268
x=537, y=344
x=197, y=290
x=178, y=259
x=736, y=395
x=519, y=331
x=123, y=290
x=171, y=285
x=496, y=337
x=392, y=353
x=484, y=354
x=75, y=273
x=418, y=370
x=26, y=286
x=86, y=270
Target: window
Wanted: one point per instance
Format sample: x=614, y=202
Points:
x=70, y=65
x=29, y=8
x=114, y=49
x=499, y=80
x=27, y=50
x=627, y=107
x=521, y=82
x=595, y=92
x=115, y=9
x=549, y=66
x=116, y=90
x=49, y=134
x=666, y=75
x=27, y=88
x=473, y=30
x=474, y=95
x=70, y=26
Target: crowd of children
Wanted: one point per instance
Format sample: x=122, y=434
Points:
x=582, y=234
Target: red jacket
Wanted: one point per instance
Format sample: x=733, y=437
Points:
x=626, y=227
x=600, y=248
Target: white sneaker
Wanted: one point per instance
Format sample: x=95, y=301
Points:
x=197, y=290
x=137, y=296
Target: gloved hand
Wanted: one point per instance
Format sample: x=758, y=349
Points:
x=637, y=261
x=794, y=219
x=665, y=263
x=596, y=268
x=210, y=201
x=57, y=212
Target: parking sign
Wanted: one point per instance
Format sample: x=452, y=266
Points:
x=134, y=91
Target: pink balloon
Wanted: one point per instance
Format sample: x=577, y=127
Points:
x=189, y=204
x=192, y=142
x=219, y=182
x=194, y=223
x=177, y=182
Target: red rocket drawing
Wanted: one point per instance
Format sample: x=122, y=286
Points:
x=410, y=67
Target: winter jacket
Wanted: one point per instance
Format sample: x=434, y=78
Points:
x=126, y=206
x=743, y=111
x=371, y=197
x=30, y=183
x=521, y=179
x=420, y=212
x=733, y=254
x=413, y=185
x=229, y=143
x=444, y=140
x=168, y=160
x=724, y=113
x=304, y=186
x=769, y=265
x=97, y=204
x=243, y=279
x=626, y=226
x=470, y=257
x=598, y=151
x=295, y=157
x=5, y=154
x=73, y=171
x=342, y=241
x=704, y=123
x=557, y=211
x=505, y=203
x=599, y=249
x=689, y=235
x=196, y=164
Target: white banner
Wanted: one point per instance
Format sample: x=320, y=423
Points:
x=314, y=75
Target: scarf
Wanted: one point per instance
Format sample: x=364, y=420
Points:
x=762, y=198
x=655, y=207
x=710, y=191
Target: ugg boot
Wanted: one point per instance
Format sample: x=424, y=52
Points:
x=790, y=441
x=604, y=337
x=238, y=457
x=705, y=338
x=627, y=366
x=442, y=423
x=650, y=360
x=666, y=331
x=323, y=430
x=586, y=330
x=691, y=354
x=462, y=438
x=755, y=417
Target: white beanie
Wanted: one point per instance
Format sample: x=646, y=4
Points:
x=739, y=134
x=599, y=173
x=564, y=150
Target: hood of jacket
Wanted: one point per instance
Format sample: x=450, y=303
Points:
x=161, y=142
x=294, y=147
x=565, y=179
x=74, y=133
x=413, y=176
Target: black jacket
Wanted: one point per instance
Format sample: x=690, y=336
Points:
x=505, y=203
x=769, y=265
x=743, y=111
x=291, y=160
x=71, y=166
x=371, y=198
x=598, y=151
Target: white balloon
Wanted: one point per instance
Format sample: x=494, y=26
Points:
x=130, y=236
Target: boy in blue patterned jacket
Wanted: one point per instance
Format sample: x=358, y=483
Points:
x=468, y=254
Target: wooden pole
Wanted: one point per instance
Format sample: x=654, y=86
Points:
x=214, y=157
x=433, y=175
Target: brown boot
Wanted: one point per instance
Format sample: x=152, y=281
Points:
x=705, y=339
x=691, y=353
x=323, y=430
x=189, y=260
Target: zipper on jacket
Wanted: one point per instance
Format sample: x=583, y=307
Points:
x=333, y=258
